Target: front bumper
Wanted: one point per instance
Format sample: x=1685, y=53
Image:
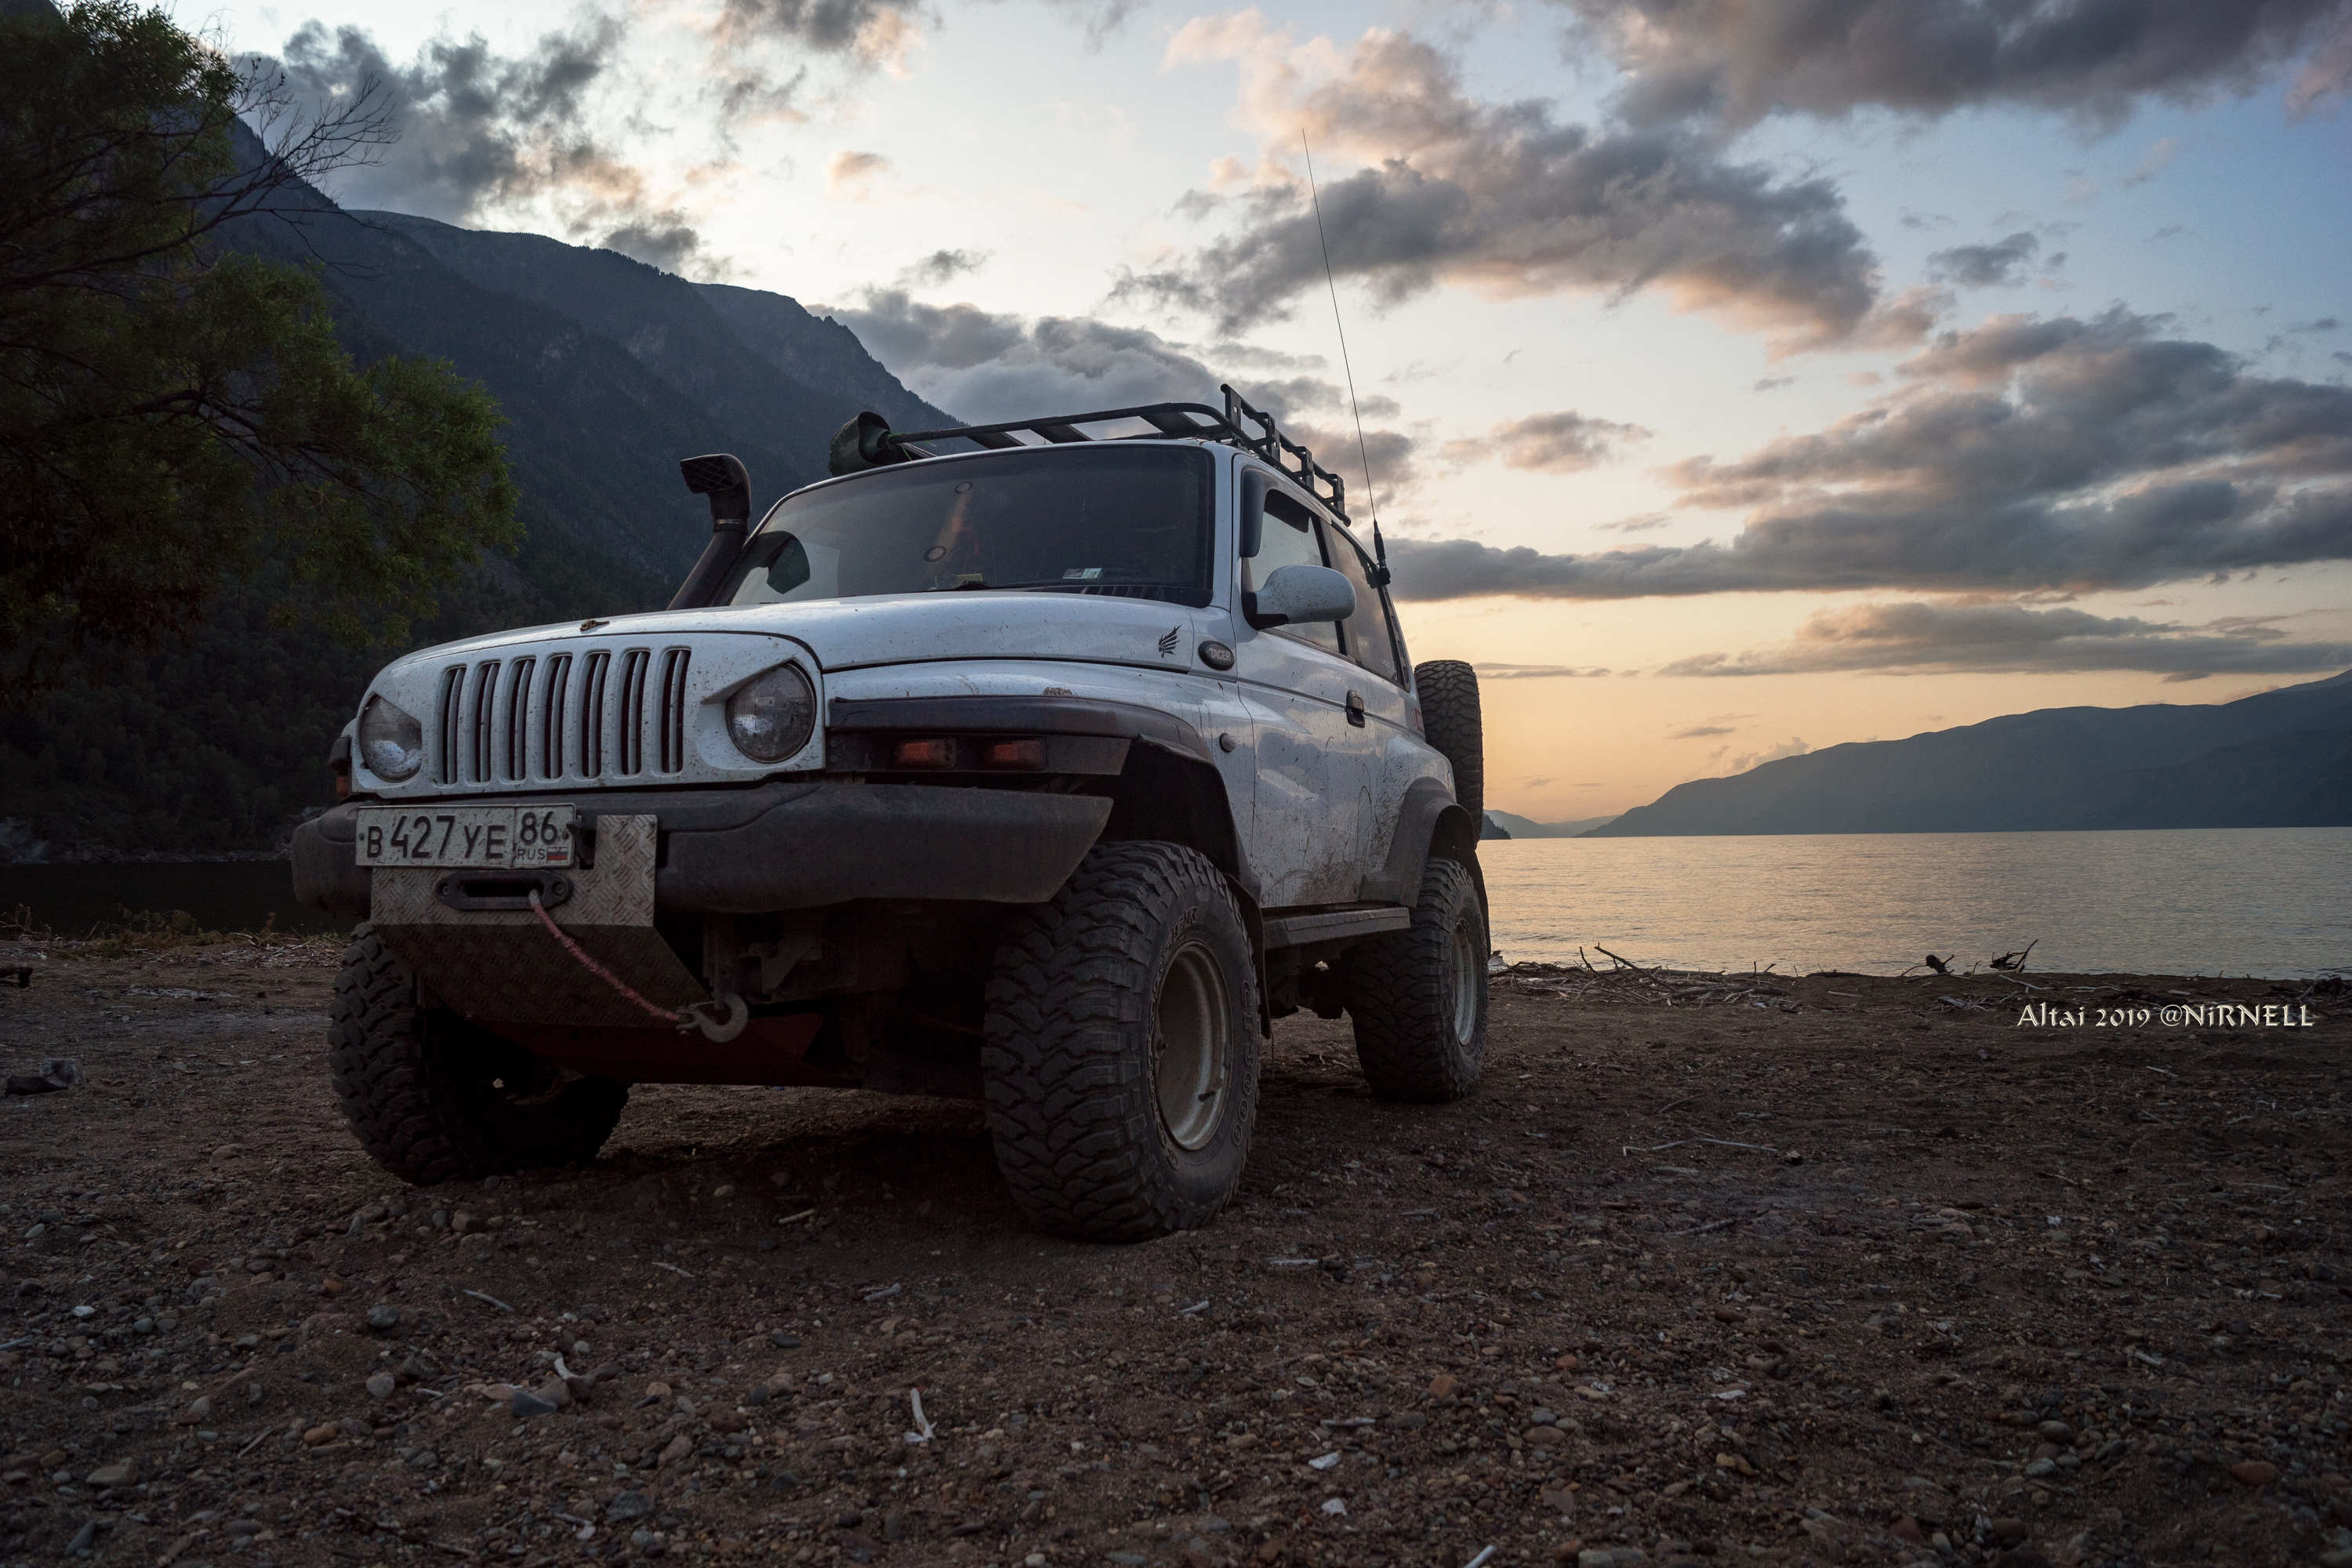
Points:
x=791, y=846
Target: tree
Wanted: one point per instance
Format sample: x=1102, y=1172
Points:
x=176, y=414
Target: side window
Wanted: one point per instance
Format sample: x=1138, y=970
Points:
x=1369, y=642
x=1287, y=536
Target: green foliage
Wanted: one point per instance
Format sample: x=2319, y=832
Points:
x=175, y=415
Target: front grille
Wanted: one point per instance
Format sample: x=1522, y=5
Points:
x=542, y=721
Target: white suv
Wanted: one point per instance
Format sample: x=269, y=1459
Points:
x=1049, y=770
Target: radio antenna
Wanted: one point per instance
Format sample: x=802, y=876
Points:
x=1371, y=494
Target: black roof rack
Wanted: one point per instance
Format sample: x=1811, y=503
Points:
x=1196, y=421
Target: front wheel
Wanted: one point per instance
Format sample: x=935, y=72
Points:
x=1121, y=1053
x=435, y=1098
x=1419, y=996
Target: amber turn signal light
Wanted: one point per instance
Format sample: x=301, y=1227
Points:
x=939, y=754
x=1027, y=754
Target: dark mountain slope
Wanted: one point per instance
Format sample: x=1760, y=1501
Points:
x=819, y=351
x=607, y=373
x=761, y=384
x=2159, y=766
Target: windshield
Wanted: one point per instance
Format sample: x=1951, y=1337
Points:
x=1134, y=521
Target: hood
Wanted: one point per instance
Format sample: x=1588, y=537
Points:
x=900, y=628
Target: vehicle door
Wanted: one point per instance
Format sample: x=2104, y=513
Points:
x=1396, y=753
x=1316, y=784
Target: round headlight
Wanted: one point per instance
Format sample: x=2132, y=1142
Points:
x=391, y=743
x=770, y=716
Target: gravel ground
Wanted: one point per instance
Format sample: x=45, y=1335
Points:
x=1824, y=1270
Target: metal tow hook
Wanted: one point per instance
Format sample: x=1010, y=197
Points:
x=721, y=1018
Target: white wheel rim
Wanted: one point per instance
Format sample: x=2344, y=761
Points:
x=1467, y=978
x=1192, y=1046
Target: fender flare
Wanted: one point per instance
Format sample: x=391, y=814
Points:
x=1430, y=821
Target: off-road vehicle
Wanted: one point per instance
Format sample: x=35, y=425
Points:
x=1042, y=763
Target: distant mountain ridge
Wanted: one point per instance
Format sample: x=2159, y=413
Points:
x=2278, y=759
x=1520, y=827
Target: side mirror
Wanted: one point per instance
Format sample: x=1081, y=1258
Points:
x=1294, y=593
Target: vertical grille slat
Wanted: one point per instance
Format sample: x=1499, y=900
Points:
x=518, y=724
x=550, y=717
x=592, y=715
x=453, y=691
x=673, y=711
x=634, y=664
x=486, y=691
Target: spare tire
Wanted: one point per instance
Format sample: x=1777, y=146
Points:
x=1448, y=689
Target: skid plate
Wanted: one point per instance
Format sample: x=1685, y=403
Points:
x=503, y=964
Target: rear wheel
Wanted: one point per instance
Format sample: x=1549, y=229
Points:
x=1121, y=1053
x=1418, y=996
x=433, y=1098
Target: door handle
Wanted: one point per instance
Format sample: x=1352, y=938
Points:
x=1356, y=709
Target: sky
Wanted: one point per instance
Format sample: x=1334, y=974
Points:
x=1740, y=377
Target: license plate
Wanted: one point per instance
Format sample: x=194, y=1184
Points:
x=466, y=836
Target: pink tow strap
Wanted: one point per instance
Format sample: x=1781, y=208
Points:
x=680, y=1020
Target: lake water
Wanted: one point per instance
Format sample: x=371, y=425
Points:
x=2269, y=901
x=2273, y=901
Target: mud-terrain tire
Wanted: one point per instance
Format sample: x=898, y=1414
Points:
x=1418, y=997
x=1451, y=718
x=435, y=1098
x=1121, y=1049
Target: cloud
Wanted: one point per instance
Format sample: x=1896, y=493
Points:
x=1999, y=263
x=989, y=366
x=1501, y=198
x=1561, y=443
x=2014, y=639
x=2026, y=455
x=1733, y=62
x=941, y=267
x=849, y=176
x=873, y=32
x=480, y=130
x=1100, y=18
x=1701, y=732
x=1536, y=671
x=2154, y=161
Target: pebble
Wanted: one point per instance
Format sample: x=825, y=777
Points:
x=1544, y=1436
x=325, y=1431
x=121, y=1473
x=627, y=1506
x=383, y=1318
x=1445, y=1386
x=2254, y=1473
x=1611, y=1557
x=523, y=1404
x=680, y=1447
x=2057, y=1432
x=1334, y=1507
x=380, y=1384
